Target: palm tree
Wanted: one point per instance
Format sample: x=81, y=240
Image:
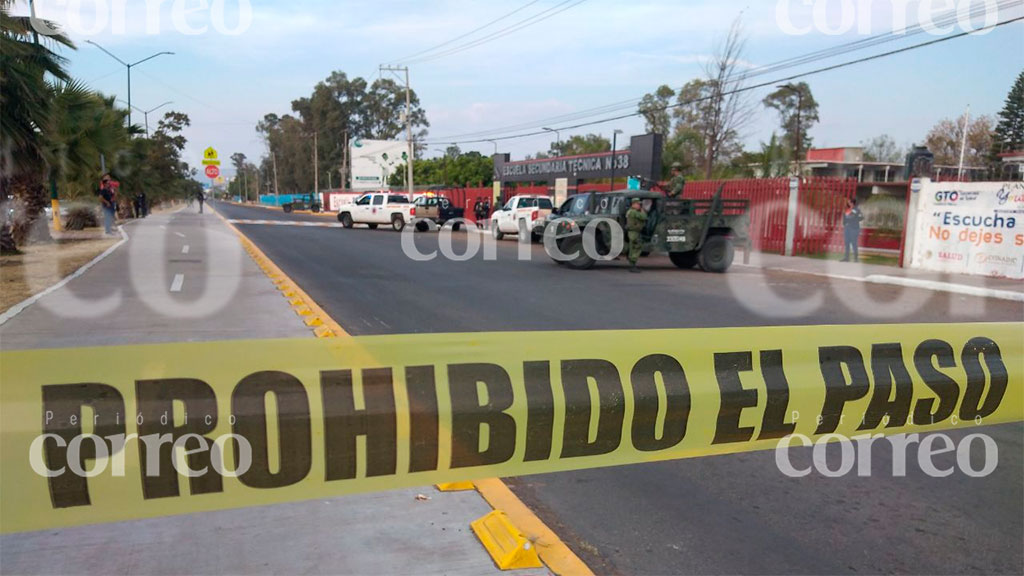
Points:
x=25, y=106
x=83, y=125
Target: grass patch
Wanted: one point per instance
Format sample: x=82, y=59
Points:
x=40, y=266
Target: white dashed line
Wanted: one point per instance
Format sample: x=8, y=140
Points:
x=184, y=249
x=179, y=279
x=180, y=234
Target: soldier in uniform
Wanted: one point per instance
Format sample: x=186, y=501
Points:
x=636, y=219
x=677, y=183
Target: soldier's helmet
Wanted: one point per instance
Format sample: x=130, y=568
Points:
x=635, y=201
x=677, y=166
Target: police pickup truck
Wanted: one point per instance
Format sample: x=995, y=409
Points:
x=377, y=208
x=519, y=215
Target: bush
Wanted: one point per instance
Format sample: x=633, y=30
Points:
x=81, y=217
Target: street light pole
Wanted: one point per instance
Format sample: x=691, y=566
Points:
x=615, y=135
x=129, y=67
x=558, y=138
x=495, y=146
x=444, y=164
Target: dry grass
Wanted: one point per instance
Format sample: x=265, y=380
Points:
x=40, y=266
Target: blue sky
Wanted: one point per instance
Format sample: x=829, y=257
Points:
x=594, y=53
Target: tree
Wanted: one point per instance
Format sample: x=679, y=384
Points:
x=238, y=161
x=25, y=109
x=798, y=112
x=714, y=107
x=654, y=108
x=338, y=106
x=1009, y=132
x=581, y=144
x=945, y=139
x=882, y=149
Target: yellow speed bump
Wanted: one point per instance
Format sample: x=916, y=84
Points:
x=509, y=548
x=314, y=321
x=323, y=332
x=456, y=486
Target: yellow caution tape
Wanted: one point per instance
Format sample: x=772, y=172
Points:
x=276, y=421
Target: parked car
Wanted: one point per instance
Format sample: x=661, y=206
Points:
x=436, y=209
x=519, y=215
x=306, y=202
x=378, y=208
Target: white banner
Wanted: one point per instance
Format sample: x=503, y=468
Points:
x=374, y=161
x=970, y=228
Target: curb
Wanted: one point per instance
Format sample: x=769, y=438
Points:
x=931, y=285
x=312, y=314
x=554, y=553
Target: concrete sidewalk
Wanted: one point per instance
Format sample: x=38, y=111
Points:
x=1002, y=288
x=183, y=277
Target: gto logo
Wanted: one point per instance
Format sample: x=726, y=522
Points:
x=947, y=196
x=995, y=259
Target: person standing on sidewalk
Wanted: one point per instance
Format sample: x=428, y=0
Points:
x=851, y=229
x=201, y=199
x=108, y=202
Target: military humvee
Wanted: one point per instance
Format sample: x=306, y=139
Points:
x=692, y=232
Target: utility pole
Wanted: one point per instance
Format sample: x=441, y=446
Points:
x=245, y=182
x=344, y=164
x=615, y=135
x=799, y=126
x=408, y=125
x=277, y=191
x=316, y=170
x=963, y=143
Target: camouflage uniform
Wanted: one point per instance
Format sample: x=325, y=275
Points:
x=635, y=222
x=676, y=185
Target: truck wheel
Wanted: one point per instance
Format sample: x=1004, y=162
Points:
x=456, y=226
x=397, y=223
x=536, y=238
x=498, y=234
x=346, y=219
x=581, y=260
x=684, y=260
x=371, y=226
x=316, y=208
x=422, y=226
x=716, y=255
x=287, y=208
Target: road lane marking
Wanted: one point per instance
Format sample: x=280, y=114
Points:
x=288, y=223
x=184, y=249
x=179, y=279
x=180, y=234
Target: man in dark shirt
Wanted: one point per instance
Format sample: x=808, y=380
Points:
x=108, y=203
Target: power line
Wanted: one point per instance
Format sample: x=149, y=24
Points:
x=745, y=88
x=525, y=23
x=949, y=17
x=467, y=34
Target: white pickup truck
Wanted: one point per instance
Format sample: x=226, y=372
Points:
x=518, y=215
x=377, y=208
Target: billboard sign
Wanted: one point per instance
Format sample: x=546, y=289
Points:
x=970, y=228
x=374, y=161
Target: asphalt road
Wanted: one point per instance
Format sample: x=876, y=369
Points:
x=730, y=514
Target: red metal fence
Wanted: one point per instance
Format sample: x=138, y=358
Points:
x=818, y=219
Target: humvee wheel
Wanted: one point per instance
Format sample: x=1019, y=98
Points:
x=716, y=255
x=581, y=260
x=684, y=260
x=287, y=208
